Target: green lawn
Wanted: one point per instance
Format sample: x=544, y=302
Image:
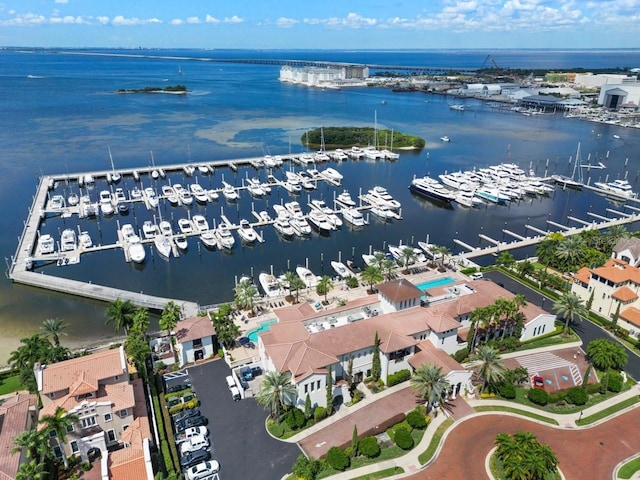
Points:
x=497, y=408
x=608, y=411
x=10, y=385
x=382, y=474
x=629, y=468
x=425, y=456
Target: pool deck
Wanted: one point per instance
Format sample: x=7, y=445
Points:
x=244, y=355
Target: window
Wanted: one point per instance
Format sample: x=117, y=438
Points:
x=57, y=451
x=111, y=436
x=52, y=434
x=116, y=378
x=108, y=417
x=123, y=413
x=88, y=422
x=124, y=427
x=69, y=428
x=318, y=384
x=312, y=386
x=74, y=446
x=306, y=387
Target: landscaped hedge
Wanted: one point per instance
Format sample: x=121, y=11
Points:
x=276, y=429
x=416, y=419
x=461, y=355
x=403, y=438
x=295, y=418
x=369, y=447
x=577, y=396
x=319, y=413
x=538, y=396
x=338, y=459
x=507, y=390
x=398, y=377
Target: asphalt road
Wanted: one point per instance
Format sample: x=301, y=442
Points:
x=586, y=330
x=237, y=430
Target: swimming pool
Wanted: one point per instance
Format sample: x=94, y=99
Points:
x=439, y=282
x=264, y=327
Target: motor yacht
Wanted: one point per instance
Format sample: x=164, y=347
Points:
x=254, y=187
x=185, y=226
x=331, y=216
x=106, y=206
x=341, y=269
x=345, y=199
x=85, y=240
x=246, y=232
x=293, y=208
x=431, y=188
x=200, y=223
x=353, y=216
x=152, y=198
x=46, y=244
x=73, y=199
x=307, y=276
x=319, y=220
x=149, y=229
x=229, y=192
x=181, y=242
x=165, y=228
x=225, y=237
x=306, y=181
x=264, y=216
x=209, y=239
x=57, y=202
x=300, y=225
x=333, y=175
x=199, y=192
x=283, y=227
x=380, y=196
x=270, y=284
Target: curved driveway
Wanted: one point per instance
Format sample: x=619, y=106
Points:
x=590, y=453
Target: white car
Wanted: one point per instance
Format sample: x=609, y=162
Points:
x=191, y=433
x=194, y=443
x=235, y=394
x=203, y=470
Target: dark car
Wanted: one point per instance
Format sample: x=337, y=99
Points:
x=177, y=388
x=183, y=415
x=190, y=459
x=198, y=421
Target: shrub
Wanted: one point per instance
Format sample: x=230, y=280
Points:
x=295, y=418
x=507, y=390
x=416, y=419
x=592, y=388
x=461, y=355
x=348, y=451
x=276, y=429
x=398, y=377
x=352, y=282
x=220, y=353
x=510, y=343
x=577, y=396
x=403, y=439
x=319, y=413
x=613, y=381
x=392, y=430
x=369, y=447
x=556, y=397
x=337, y=459
x=85, y=466
x=538, y=396
x=397, y=418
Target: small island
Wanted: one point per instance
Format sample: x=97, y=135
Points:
x=175, y=90
x=341, y=137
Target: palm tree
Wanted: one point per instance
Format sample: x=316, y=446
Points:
x=407, y=256
x=388, y=266
x=378, y=259
x=295, y=283
x=606, y=354
x=441, y=252
x=120, y=314
x=325, y=285
x=525, y=268
x=140, y=321
x=567, y=306
x=571, y=252
x=36, y=348
x=430, y=385
x=372, y=275
x=55, y=327
x=35, y=444
x=170, y=316
x=245, y=292
x=59, y=422
x=485, y=362
x=31, y=471
x=276, y=390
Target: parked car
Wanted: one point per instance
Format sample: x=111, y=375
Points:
x=183, y=415
x=191, y=422
x=192, y=432
x=177, y=388
x=198, y=442
x=203, y=470
x=189, y=459
x=235, y=394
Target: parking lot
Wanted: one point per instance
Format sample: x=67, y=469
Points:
x=239, y=440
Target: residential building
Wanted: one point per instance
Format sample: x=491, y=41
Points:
x=325, y=76
x=614, y=285
x=18, y=413
x=411, y=332
x=628, y=250
x=196, y=339
x=110, y=407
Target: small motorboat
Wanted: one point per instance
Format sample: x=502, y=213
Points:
x=444, y=138
x=46, y=244
x=85, y=240
x=149, y=229
x=106, y=206
x=307, y=276
x=209, y=239
x=68, y=240
x=341, y=269
x=200, y=223
x=185, y=225
x=246, y=232
x=181, y=242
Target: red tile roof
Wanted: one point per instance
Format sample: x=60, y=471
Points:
x=631, y=315
x=399, y=290
x=430, y=354
x=624, y=294
x=14, y=418
x=194, y=328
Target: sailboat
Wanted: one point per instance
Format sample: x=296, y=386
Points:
x=567, y=182
x=179, y=70
x=154, y=172
x=389, y=154
x=115, y=176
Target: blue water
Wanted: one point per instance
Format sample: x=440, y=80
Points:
x=264, y=327
x=65, y=122
x=439, y=282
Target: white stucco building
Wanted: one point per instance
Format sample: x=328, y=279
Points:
x=196, y=339
x=615, y=95
x=590, y=80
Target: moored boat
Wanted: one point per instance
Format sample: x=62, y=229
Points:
x=46, y=244
x=85, y=240
x=225, y=237
x=246, y=232
x=307, y=276
x=163, y=245
x=341, y=269
x=270, y=284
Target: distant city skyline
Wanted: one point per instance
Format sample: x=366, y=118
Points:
x=330, y=24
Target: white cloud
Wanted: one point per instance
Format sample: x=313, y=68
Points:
x=234, y=19
x=120, y=21
x=210, y=19
x=176, y=21
x=61, y=1
x=69, y=20
x=102, y=20
x=28, y=19
x=284, y=22
x=193, y=20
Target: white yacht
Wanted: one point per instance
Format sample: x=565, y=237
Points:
x=331, y=216
x=199, y=192
x=383, y=212
x=306, y=180
x=163, y=245
x=293, y=208
x=200, y=223
x=306, y=159
x=431, y=188
x=281, y=211
x=57, y=202
x=46, y=244
x=213, y=195
x=371, y=153
x=456, y=180
x=264, y=216
x=355, y=153
x=246, y=232
x=430, y=250
x=165, y=228
x=106, y=206
x=321, y=156
x=307, y=276
x=85, y=240
x=444, y=138
x=185, y=225
x=491, y=194
x=255, y=187
x=283, y=227
x=353, y=216
x=333, y=175
x=300, y=225
x=181, y=242
x=184, y=195
x=270, y=284
x=136, y=249
x=68, y=240
x=152, y=198
x=149, y=229
x=380, y=196
x=341, y=269
x=292, y=178
x=209, y=239
x=338, y=155
x=229, y=192
x=269, y=161
x=618, y=188
x=73, y=199
x=225, y=237
x=136, y=194
x=345, y=199
x=319, y=220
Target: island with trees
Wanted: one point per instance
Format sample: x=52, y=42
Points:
x=174, y=89
x=341, y=137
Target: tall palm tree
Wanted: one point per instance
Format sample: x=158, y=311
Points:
x=378, y=259
x=430, y=385
x=388, y=266
x=34, y=442
x=442, y=252
x=140, y=321
x=245, y=292
x=567, y=306
x=276, y=390
x=606, y=354
x=55, y=327
x=372, y=275
x=170, y=316
x=295, y=283
x=571, y=252
x=325, y=285
x=31, y=471
x=59, y=422
x=120, y=314
x=33, y=349
x=407, y=256
x=485, y=362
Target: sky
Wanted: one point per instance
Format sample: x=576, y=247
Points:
x=321, y=24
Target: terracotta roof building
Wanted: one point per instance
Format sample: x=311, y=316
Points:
x=18, y=413
x=196, y=339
